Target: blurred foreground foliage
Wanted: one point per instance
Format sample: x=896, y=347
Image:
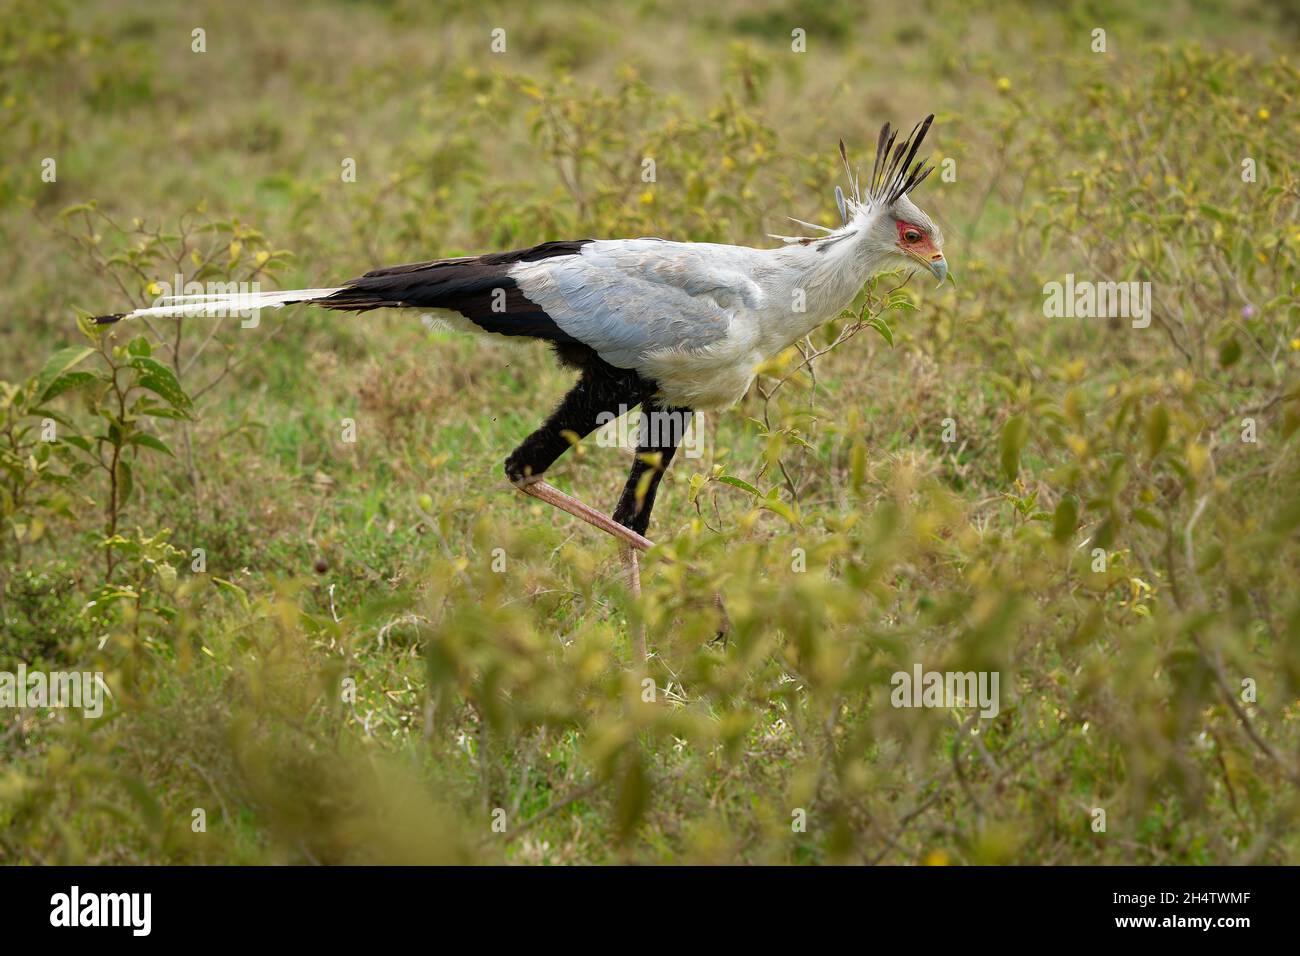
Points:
x=1104, y=529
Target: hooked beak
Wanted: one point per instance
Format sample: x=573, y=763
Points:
x=937, y=264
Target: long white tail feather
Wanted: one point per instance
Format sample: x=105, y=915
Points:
x=221, y=304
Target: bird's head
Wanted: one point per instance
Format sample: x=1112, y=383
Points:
x=889, y=226
x=903, y=234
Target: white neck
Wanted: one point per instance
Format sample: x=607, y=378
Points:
x=829, y=278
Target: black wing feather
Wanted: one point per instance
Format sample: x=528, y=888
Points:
x=467, y=285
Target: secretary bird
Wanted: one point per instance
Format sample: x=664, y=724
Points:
x=671, y=326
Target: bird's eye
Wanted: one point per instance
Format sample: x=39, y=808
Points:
x=912, y=235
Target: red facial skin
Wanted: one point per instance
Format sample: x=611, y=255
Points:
x=923, y=248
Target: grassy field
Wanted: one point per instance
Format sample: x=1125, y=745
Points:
x=327, y=650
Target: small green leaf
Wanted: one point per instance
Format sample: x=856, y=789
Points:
x=1214, y=212
x=125, y=484
x=1014, y=435
x=67, y=382
x=693, y=490
x=160, y=411
x=234, y=589
x=160, y=380
x=777, y=506
x=1229, y=352
x=1149, y=518
x=77, y=441
x=740, y=483
x=858, y=466
x=633, y=794
x=1157, y=429
x=1066, y=519
x=150, y=441
x=881, y=326
x=1104, y=536
x=58, y=363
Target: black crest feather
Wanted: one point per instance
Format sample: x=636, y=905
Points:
x=893, y=174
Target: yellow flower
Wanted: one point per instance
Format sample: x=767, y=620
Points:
x=1295, y=345
x=1263, y=114
x=647, y=198
x=1004, y=84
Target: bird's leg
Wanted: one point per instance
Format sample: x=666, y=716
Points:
x=632, y=568
x=601, y=390
x=661, y=431
x=554, y=496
